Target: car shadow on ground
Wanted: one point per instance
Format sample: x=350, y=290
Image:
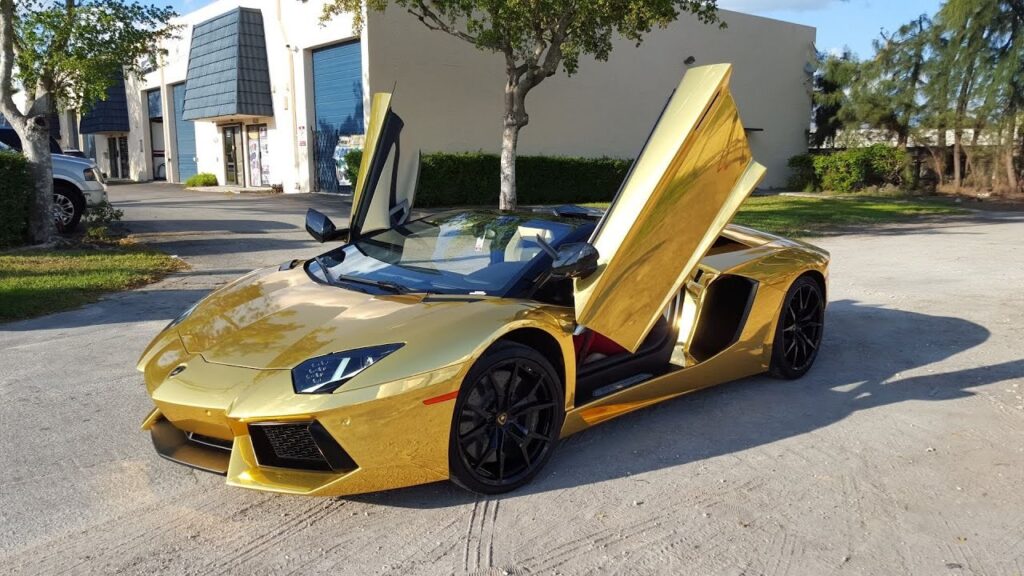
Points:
x=865, y=352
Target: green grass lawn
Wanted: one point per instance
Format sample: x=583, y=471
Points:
x=33, y=283
x=814, y=216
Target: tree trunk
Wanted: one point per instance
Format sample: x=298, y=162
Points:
x=516, y=86
x=1011, y=141
x=958, y=138
x=36, y=146
x=509, y=140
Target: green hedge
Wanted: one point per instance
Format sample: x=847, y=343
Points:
x=472, y=179
x=849, y=170
x=802, y=176
x=201, y=179
x=15, y=198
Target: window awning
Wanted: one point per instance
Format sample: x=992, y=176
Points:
x=228, y=73
x=110, y=115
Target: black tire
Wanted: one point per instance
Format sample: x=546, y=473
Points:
x=495, y=447
x=68, y=207
x=799, y=330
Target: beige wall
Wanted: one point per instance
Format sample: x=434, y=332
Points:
x=450, y=95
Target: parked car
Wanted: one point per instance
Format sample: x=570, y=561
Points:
x=77, y=182
x=463, y=345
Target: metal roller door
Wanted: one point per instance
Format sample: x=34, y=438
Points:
x=338, y=106
x=185, y=137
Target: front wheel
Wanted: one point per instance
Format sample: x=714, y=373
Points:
x=507, y=420
x=68, y=207
x=799, y=330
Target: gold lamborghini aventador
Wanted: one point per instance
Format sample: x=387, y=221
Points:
x=463, y=345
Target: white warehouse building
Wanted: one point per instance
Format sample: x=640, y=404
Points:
x=260, y=94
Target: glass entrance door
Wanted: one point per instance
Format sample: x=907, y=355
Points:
x=233, y=155
x=117, y=157
x=259, y=154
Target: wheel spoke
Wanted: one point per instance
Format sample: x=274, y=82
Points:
x=491, y=446
x=475, y=431
x=526, y=398
x=477, y=412
x=501, y=454
x=511, y=386
x=498, y=396
x=529, y=408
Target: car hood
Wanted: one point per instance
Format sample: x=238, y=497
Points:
x=72, y=160
x=273, y=319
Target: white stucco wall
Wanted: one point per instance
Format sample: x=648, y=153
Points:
x=450, y=95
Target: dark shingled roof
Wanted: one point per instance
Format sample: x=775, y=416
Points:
x=110, y=115
x=227, y=68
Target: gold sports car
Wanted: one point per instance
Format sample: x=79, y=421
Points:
x=463, y=345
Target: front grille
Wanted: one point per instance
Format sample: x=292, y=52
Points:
x=305, y=446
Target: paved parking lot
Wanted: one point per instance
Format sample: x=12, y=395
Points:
x=902, y=452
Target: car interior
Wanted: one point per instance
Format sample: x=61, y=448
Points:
x=683, y=336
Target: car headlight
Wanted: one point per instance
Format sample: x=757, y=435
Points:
x=89, y=174
x=325, y=374
x=181, y=317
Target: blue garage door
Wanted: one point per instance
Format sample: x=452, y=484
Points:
x=185, y=137
x=338, y=105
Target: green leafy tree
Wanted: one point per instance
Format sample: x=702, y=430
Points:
x=66, y=53
x=984, y=68
x=537, y=38
x=831, y=82
x=886, y=93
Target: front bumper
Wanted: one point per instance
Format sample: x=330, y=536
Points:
x=392, y=435
x=95, y=193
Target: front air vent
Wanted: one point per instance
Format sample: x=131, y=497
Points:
x=209, y=441
x=303, y=446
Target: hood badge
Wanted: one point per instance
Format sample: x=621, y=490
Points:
x=177, y=370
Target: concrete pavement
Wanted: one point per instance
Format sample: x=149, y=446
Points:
x=901, y=452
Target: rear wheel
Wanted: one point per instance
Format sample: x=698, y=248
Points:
x=799, y=331
x=508, y=417
x=68, y=207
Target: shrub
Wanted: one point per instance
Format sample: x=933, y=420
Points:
x=472, y=178
x=843, y=171
x=98, y=220
x=352, y=159
x=802, y=177
x=855, y=168
x=886, y=165
x=15, y=198
x=201, y=179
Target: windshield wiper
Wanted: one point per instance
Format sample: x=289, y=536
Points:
x=324, y=269
x=392, y=286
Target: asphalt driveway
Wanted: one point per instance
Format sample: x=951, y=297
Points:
x=902, y=451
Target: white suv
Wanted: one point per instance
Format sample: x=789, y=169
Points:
x=77, y=183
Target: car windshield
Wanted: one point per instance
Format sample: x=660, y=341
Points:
x=457, y=252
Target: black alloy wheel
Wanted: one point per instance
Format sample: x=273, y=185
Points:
x=507, y=420
x=799, y=331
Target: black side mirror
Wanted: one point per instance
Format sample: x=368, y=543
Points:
x=577, y=260
x=321, y=228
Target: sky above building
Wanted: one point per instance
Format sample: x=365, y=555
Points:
x=840, y=23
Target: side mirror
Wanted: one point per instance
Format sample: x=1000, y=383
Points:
x=577, y=260
x=321, y=228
